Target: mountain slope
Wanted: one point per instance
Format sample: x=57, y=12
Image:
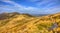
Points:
x=25, y=23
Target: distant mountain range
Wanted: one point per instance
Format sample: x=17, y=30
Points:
x=25, y=23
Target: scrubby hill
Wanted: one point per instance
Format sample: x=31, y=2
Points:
x=25, y=23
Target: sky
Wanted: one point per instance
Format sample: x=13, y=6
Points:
x=30, y=6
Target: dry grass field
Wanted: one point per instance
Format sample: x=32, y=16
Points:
x=25, y=23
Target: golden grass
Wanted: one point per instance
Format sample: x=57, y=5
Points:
x=22, y=23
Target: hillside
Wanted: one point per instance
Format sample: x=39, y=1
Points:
x=25, y=23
